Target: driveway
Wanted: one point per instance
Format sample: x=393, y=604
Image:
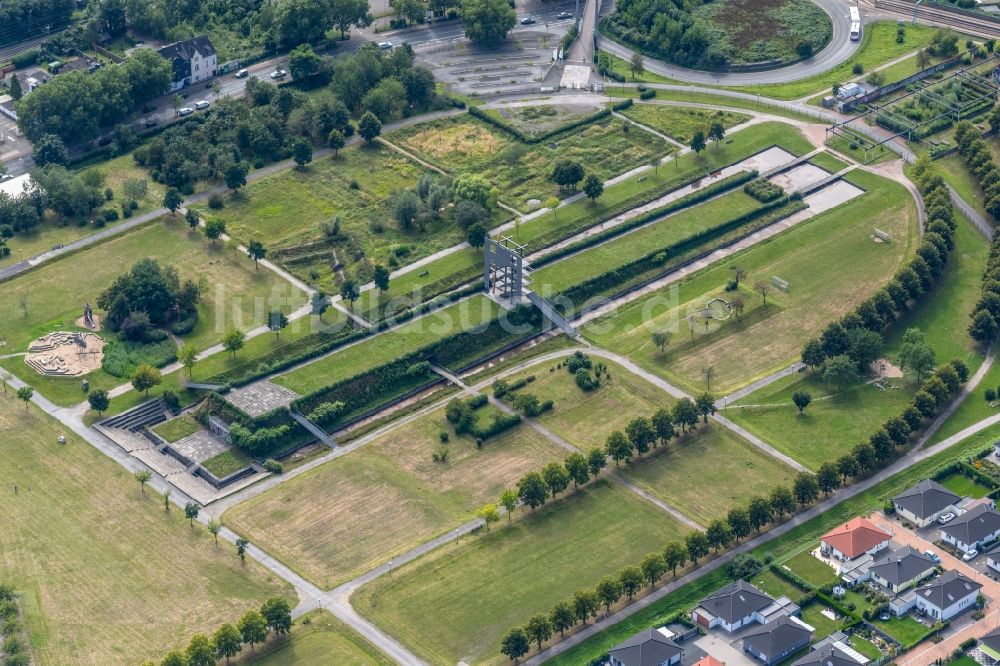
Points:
x=927, y=652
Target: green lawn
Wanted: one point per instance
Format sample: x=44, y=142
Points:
x=906, y=630
x=953, y=169
x=690, y=222
x=677, y=473
x=107, y=577
x=233, y=294
x=177, y=429
x=585, y=419
x=964, y=661
x=459, y=267
x=380, y=349
x=824, y=626
x=680, y=123
x=317, y=639
x=963, y=486
x=812, y=256
x=360, y=510
x=865, y=647
x=521, y=172
x=809, y=569
x=878, y=46
x=859, y=151
x=830, y=426
x=826, y=160
x=796, y=540
x=480, y=586
x=620, y=66
x=773, y=584
x=227, y=462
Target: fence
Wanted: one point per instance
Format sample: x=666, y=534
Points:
x=888, y=88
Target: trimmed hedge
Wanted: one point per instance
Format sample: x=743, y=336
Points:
x=763, y=191
x=476, y=112
x=660, y=257
x=688, y=200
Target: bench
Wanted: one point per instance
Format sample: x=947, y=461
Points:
x=779, y=283
x=881, y=235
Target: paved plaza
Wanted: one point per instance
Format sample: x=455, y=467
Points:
x=260, y=398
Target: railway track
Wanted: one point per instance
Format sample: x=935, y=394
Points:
x=977, y=26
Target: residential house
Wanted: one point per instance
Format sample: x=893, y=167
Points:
x=855, y=538
x=942, y=599
x=925, y=502
x=973, y=529
x=993, y=558
x=708, y=660
x=777, y=640
x=740, y=604
x=901, y=569
x=651, y=647
x=192, y=60
x=832, y=654
x=989, y=648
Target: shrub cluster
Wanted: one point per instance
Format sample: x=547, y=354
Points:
x=502, y=387
x=461, y=414
x=327, y=411
x=121, y=358
x=763, y=190
x=257, y=441
x=15, y=648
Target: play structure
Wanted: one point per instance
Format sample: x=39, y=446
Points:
x=716, y=309
x=65, y=354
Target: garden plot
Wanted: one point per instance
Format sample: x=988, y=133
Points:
x=679, y=122
x=534, y=119
x=360, y=510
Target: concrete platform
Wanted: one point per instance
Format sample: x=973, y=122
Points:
x=200, y=446
x=260, y=397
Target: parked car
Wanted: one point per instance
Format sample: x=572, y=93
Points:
x=185, y=111
x=971, y=555
x=527, y=20
x=202, y=104
x=150, y=122
x=932, y=556
x=946, y=518
x=385, y=46
x=4, y=178
x=564, y=15
x=884, y=617
x=242, y=74
x=278, y=74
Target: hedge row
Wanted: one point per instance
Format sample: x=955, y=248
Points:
x=688, y=200
x=659, y=258
x=525, y=138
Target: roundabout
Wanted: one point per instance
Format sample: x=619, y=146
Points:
x=839, y=49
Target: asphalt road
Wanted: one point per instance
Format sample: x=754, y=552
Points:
x=837, y=51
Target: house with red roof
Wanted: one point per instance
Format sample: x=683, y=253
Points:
x=856, y=537
x=708, y=660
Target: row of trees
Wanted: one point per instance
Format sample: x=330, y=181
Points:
x=846, y=348
x=718, y=536
x=228, y=640
x=985, y=326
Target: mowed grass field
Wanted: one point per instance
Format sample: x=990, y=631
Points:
x=679, y=473
x=831, y=264
x=106, y=577
x=830, y=426
x=317, y=639
x=585, y=419
x=480, y=586
x=680, y=123
x=462, y=144
x=390, y=345
x=358, y=511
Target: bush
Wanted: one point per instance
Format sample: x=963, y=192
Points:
x=185, y=325
x=577, y=361
x=258, y=441
x=215, y=202
x=477, y=401
x=29, y=57
x=171, y=400
x=991, y=395
x=121, y=358
x=585, y=381
x=327, y=412
x=444, y=436
x=273, y=466
x=109, y=214
x=647, y=94
x=763, y=191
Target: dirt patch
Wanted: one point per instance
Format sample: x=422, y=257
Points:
x=884, y=368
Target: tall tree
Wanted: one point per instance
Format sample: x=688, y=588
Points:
x=233, y=341
x=515, y=644
x=532, y=490
x=277, y=614
x=539, y=629
x=276, y=322
x=618, y=447
x=381, y=278
x=585, y=605
x=593, y=187
x=562, y=617
x=653, y=567
x=256, y=251
x=663, y=424
x=801, y=400
x=556, y=477
x=636, y=64
x=487, y=21
x=609, y=591
x=228, y=642
x=631, y=581
x=350, y=291
x=698, y=142
x=739, y=522
x=253, y=627
x=98, y=398
x=805, y=488
x=191, y=511
x=640, y=434
x=675, y=555
x=188, y=357
x=143, y=476
x=508, y=500
x=597, y=460
x=718, y=534
x=697, y=545
x=145, y=377
x=576, y=467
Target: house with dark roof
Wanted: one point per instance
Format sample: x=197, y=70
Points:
x=993, y=558
x=736, y=605
x=651, y=647
x=901, y=569
x=855, y=538
x=832, y=654
x=973, y=529
x=989, y=647
x=925, y=502
x=192, y=60
x=777, y=640
x=942, y=599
